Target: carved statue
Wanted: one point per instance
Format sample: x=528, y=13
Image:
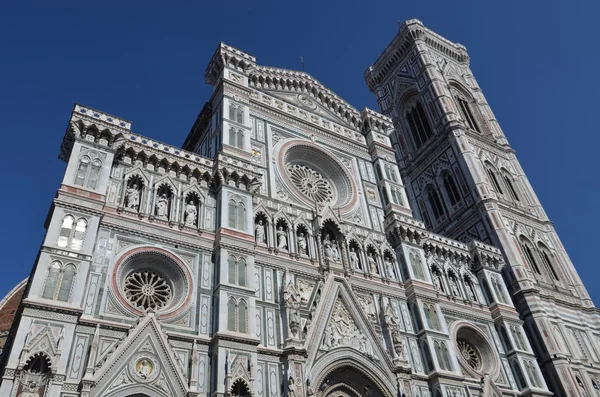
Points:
x=191, y=213
x=144, y=369
x=368, y=306
x=259, y=231
x=302, y=244
x=281, y=238
x=133, y=197
x=162, y=207
x=470, y=291
x=305, y=289
x=292, y=299
x=398, y=342
x=389, y=268
x=330, y=249
x=291, y=387
x=372, y=264
x=454, y=286
x=354, y=261
x=389, y=316
x=437, y=281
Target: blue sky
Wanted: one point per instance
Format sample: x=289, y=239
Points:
x=537, y=62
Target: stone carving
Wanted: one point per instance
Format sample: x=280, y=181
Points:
x=330, y=249
x=305, y=289
x=281, y=238
x=133, y=197
x=389, y=268
x=191, y=213
x=354, y=260
x=417, y=264
x=143, y=368
x=259, y=232
x=390, y=317
x=291, y=387
x=292, y=299
x=368, y=307
x=454, y=286
x=372, y=263
x=302, y=244
x=342, y=331
x=162, y=207
x=311, y=183
x=398, y=342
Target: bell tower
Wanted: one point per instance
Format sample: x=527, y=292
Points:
x=465, y=182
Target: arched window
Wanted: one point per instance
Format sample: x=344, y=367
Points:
x=532, y=373
x=396, y=196
x=436, y=204
x=451, y=189
x=514, y=364
x=518, y=337
x=59, y=281
x=237, y=214
x=390, y=173
x=546, y=255
x=418, y=124
x=505, y=338
x=496, y=284
x=236, y=113
x=438, y=354
x=70, y=236
x=236, y=138
x=88, y=170
x=231, y=314
x=242, y=317
x=467, y=114
x=508, y=181
x=446, y=357
x=65, y=231
x=232, y=267
x=494, y=180
x=237, y=271
x=432, y=317
x=242, y=272
x=527, y=250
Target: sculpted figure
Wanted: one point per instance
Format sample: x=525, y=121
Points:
x=389, y=268
x=162, y=206
x=454, y=286
x=437, y=282
x=328, y=248
x=259, y=231
x=191, y=213
x=133, y=197
x=354, y=261
x=281, y=238
x=302, y=244
x=372, y=264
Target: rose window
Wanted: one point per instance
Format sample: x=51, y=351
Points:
x=147, y=290
x=311, y=183
x=469, y=354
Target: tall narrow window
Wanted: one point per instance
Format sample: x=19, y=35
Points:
x=232, y=213
x=451, y=189
x=465, y=109
x=59, y=281
x=241, y=272
x=494, y=181
x=94, y=174
x=446, y=357
x=242, y=317
x=418, y=125
x=88, y=170
x=498, y=290
x=79, y=234
x=435, y=202
x=65, y=231
x=518, y=336
x=236, y=113
x=511, y=188
x=231, y=314
x=438, y=354
x=236, y=138
x=231, y=270
x=424, y=213
x=532, y=374
x=432, y=317
x=241, y=216
x=548, y=262
x=529, y=255
x=82, y=170
x=396, y=196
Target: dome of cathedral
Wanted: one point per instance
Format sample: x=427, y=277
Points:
x=8, y=308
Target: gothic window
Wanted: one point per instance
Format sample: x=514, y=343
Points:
x=508, y=181
x=237, y=315
x=451, y=188
x=528, y=251
x=532, y=374
x=514, y=364
x=418, y=124
x=497, y=285
x=236, y=113
x=59, y=281
x=435, y=202
x=505, y=338
x=236, y=138
x=240, y=389
x=431, y=316
x=396, y=196
x=88, y=170
x=446, y=357
x=390, y=173
x=518, y=338
x=72, y=234
x=437, y=346
x=237, y=270
x=424, y=213
x=546, y=255
x=237, y=214
x=467, y=114
x=493, y=179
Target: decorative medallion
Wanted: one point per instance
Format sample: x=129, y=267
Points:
x=306, y=101
x=143, y=368
x=147, y=290
x=311, y=183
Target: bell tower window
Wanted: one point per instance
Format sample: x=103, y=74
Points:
x=418, y=125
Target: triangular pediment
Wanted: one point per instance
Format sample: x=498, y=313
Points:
x=143, y=361
x=342, y=324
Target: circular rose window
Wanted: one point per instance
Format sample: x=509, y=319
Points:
x=475, y=353
x=470, y=354
x=149, y=278
x=313, y=175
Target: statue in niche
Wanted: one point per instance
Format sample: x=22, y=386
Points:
x=162, y=207
x=259, y=231
x=389, y=268
x=302, y=244
x=398, y=342
x=133, y=197
x=292, y=300
x=437, y=281
x=31, y=389
x=470, y=291
x=372, y=263
x=191, y=213
x=454, y=286
x=281, y=238
x=305, y=289
x=330, y=248
x=354, y=261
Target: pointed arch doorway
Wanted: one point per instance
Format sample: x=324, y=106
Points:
x=349, y=381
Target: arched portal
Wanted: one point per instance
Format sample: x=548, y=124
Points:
x=349, y=381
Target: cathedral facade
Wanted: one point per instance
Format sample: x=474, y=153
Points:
x=295, y=246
